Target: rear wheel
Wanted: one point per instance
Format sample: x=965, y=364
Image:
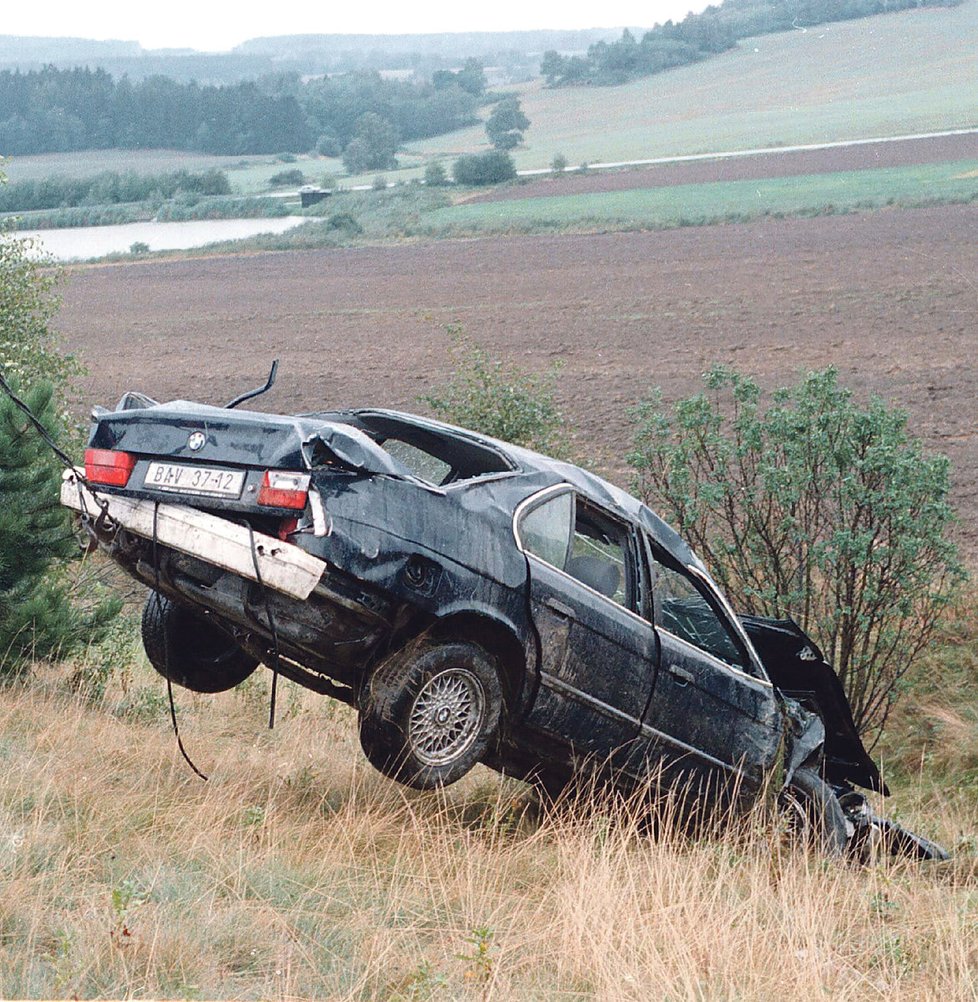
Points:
x=192, y=650
x=430, y=712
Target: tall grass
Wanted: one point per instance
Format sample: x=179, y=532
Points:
x=297, y=872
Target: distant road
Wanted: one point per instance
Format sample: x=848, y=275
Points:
x=950, y=144
x=759, y=151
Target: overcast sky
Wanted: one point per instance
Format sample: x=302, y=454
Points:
x=218, y=27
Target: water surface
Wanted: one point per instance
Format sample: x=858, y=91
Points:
x=84, y=242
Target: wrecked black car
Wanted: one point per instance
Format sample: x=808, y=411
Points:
x=474, y=601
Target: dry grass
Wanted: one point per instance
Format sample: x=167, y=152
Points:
x=297, y=872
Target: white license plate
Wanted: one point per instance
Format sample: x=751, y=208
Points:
x=194, y=479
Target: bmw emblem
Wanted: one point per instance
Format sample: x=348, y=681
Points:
x=196, y=441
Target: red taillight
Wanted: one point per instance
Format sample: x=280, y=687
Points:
x=106, y=466
x=282, y=489
x=288, y=527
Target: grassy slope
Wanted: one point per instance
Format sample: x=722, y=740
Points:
x=893, y=74
x=296, y=872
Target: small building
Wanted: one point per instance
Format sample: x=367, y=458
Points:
x=309, y=194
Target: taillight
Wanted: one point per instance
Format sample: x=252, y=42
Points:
x=106, y=466
x=288, y=527
x=282, y=489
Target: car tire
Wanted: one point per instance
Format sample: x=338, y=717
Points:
x=192, y=650
x=429, y=713
x=814, y=815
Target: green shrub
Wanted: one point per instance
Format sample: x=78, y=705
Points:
x=490, y=397
x=286, y=178
x=815, y=508
x=491, y=167
x=434, y=175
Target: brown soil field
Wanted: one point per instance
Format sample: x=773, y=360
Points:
x=865, y=156
x=890, y=298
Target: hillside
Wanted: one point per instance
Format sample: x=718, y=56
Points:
x=899, y=73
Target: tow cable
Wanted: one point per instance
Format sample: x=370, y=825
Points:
x=101, y=524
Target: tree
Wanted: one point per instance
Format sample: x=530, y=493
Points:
x=552, y=66
x=506, y=124
x=812, y=508
x=490, y=167
x=434, y=175
x=373, y=145
x=559, y=164
x=471, y=78
x=38, y=618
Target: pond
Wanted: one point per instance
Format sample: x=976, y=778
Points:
x=84, y=242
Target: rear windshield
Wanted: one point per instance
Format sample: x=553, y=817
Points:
x=431, y=455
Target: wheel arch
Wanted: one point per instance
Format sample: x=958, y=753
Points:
x=496, y=637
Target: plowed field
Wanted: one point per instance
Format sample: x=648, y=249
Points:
x=891, y=298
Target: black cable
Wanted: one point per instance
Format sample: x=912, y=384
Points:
x=158, y=598
x=271, y=623
x=41, y=430
x=65, y=459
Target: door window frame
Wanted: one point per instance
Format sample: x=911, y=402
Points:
x=654, y=553
x=637, y=589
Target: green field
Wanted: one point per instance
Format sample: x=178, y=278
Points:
x=700, y=204
x=894, y=74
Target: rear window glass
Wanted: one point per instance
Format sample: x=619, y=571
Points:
x=435, y=456
x=422, y=464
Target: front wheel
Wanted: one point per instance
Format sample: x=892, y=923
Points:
x=814, y=814
x=430, y=712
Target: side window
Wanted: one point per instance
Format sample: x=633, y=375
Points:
x=546, y=530
x=581, y=541
x=599, y=555
x=682, y=609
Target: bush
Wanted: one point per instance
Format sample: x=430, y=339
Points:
x=491, y=167
x=287, y=177
x=489, y=397
x=559, y=164
x=811, y=508
x=434, y=175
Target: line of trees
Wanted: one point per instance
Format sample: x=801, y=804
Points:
x=699, y=36
x=53, y=110
x=109, y=188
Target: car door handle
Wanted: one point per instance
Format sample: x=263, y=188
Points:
x=562, y=610
x=682, y=675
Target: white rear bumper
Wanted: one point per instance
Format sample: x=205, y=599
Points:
x=284, y=566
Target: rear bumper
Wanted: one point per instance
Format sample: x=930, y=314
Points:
x=284, y=567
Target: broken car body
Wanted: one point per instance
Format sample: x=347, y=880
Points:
x=474, y=601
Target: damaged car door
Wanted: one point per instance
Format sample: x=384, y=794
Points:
x=714, y=713
x=597, y=655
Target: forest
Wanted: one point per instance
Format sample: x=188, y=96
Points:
x=55, y=110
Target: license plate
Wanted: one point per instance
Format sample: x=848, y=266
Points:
x=194, y=479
